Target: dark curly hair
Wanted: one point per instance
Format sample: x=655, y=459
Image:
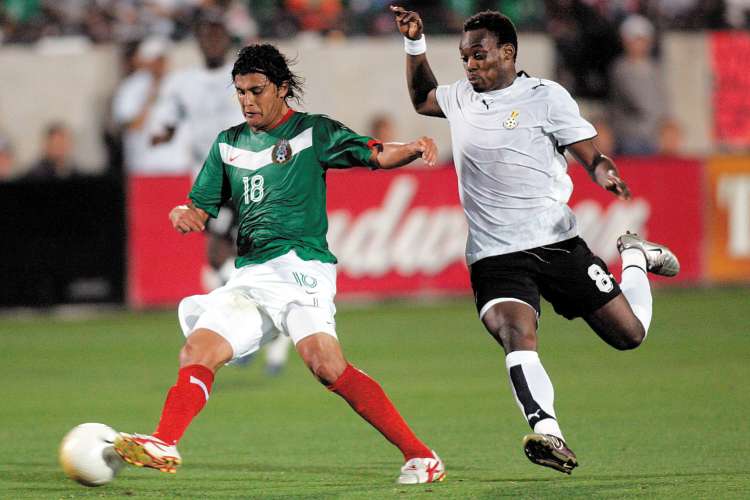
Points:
x=496, y=23
x=266, y=59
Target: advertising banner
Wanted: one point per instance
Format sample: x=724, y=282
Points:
x=667, y=207
x=728, y=186
x=730, y=51
x=163, y=265
x=403, y=232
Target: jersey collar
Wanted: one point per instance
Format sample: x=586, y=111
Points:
x=284, y=119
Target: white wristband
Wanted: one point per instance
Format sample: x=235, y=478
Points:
x=415, y=47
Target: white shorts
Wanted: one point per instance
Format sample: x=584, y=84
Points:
x=285, y=295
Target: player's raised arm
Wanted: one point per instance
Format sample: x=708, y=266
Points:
x=419, y=77
x=601, y=168
x=395, y=154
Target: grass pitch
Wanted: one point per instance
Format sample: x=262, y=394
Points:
x=668, y=420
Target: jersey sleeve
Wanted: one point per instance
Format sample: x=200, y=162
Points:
x=211, y=187
x=564, y=121
x=337, y=146
x=446, y=96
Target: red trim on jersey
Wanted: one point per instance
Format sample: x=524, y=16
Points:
x=284, y=119
x=374, y=142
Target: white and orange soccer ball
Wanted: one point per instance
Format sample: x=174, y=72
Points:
x=87, y=455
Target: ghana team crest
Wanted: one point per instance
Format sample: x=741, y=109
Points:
x=281, y=152
x=512, y=121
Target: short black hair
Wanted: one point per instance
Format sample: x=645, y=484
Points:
x=498, y=24
x=266, y=59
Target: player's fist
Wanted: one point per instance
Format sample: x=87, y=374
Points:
x=186, y=219
x=408, y=22
x=427, y=149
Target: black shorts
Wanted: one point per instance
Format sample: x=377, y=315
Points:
x=575, y=281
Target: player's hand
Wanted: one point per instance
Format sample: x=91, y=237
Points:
x=606, y=176
x=427, y=149
x=408, y=22
x=186, y=219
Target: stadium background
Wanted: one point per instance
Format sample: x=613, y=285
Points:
x=103, y=239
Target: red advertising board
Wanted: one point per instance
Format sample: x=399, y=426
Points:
x=404, y=232
x=730, y=51
x=163, y=266
x=667, y=206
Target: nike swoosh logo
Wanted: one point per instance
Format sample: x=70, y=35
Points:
x=232, y=158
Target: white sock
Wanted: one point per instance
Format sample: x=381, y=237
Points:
x=277, y=351
x=635, y=285
x=533, y=391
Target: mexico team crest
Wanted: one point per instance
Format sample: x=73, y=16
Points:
x=512, y=121
x=281, y=152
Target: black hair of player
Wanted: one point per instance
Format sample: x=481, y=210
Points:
x=496, y=23
x=266, y=59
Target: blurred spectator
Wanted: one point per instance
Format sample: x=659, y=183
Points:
x=382, y=127
x=7, y=160
x=670, y=139
x=133, y=104
x=638, y=102
x=738, y=13
x=199, y=101
x=586, y=44
x=57, y=148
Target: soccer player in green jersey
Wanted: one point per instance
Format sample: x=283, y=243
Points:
x=272, y=169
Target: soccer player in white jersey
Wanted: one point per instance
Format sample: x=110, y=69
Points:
x=272, y=168
x=509, y=134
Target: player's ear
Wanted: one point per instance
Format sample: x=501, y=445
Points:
x=282, y=90
x=508, y=51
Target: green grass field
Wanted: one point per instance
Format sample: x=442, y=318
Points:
x=668, y=420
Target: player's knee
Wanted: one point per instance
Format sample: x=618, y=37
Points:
x=631, y=337
x=322, y=355
x=513, y=337
x=208, y=350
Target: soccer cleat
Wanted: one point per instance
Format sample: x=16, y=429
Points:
x=659, y=259
x=549, y=451
x=422, y=470
x=147, y=451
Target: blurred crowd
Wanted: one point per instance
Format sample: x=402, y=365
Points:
x=607, y=52
x=102, y=21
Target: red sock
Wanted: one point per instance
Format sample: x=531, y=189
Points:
x=185, y=399
x=368, y=399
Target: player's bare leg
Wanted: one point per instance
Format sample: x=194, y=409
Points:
x=624, y=321
x=204, y=352
x=513, y=325
x=322, y=355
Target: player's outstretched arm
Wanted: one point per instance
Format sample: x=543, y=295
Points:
x=188, y=218
x=601, y=168
x=396, y=154
x=419, y=76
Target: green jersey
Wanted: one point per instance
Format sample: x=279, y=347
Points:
x=275, y=180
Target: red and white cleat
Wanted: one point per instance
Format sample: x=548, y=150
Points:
x=147, y=451
x=422, y=470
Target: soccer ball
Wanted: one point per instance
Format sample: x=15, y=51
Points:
x=87, y=455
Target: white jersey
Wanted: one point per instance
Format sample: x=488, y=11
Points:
x=513, y=180
x=203, y=101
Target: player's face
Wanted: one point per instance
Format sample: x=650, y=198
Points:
x=262, y=102
x=487, y=66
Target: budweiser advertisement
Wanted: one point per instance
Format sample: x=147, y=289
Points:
x=728, y=186
x=403, y=232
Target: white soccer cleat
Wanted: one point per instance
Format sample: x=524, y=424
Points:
x=659, y=259
x=147, y=451
x=422, y=470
